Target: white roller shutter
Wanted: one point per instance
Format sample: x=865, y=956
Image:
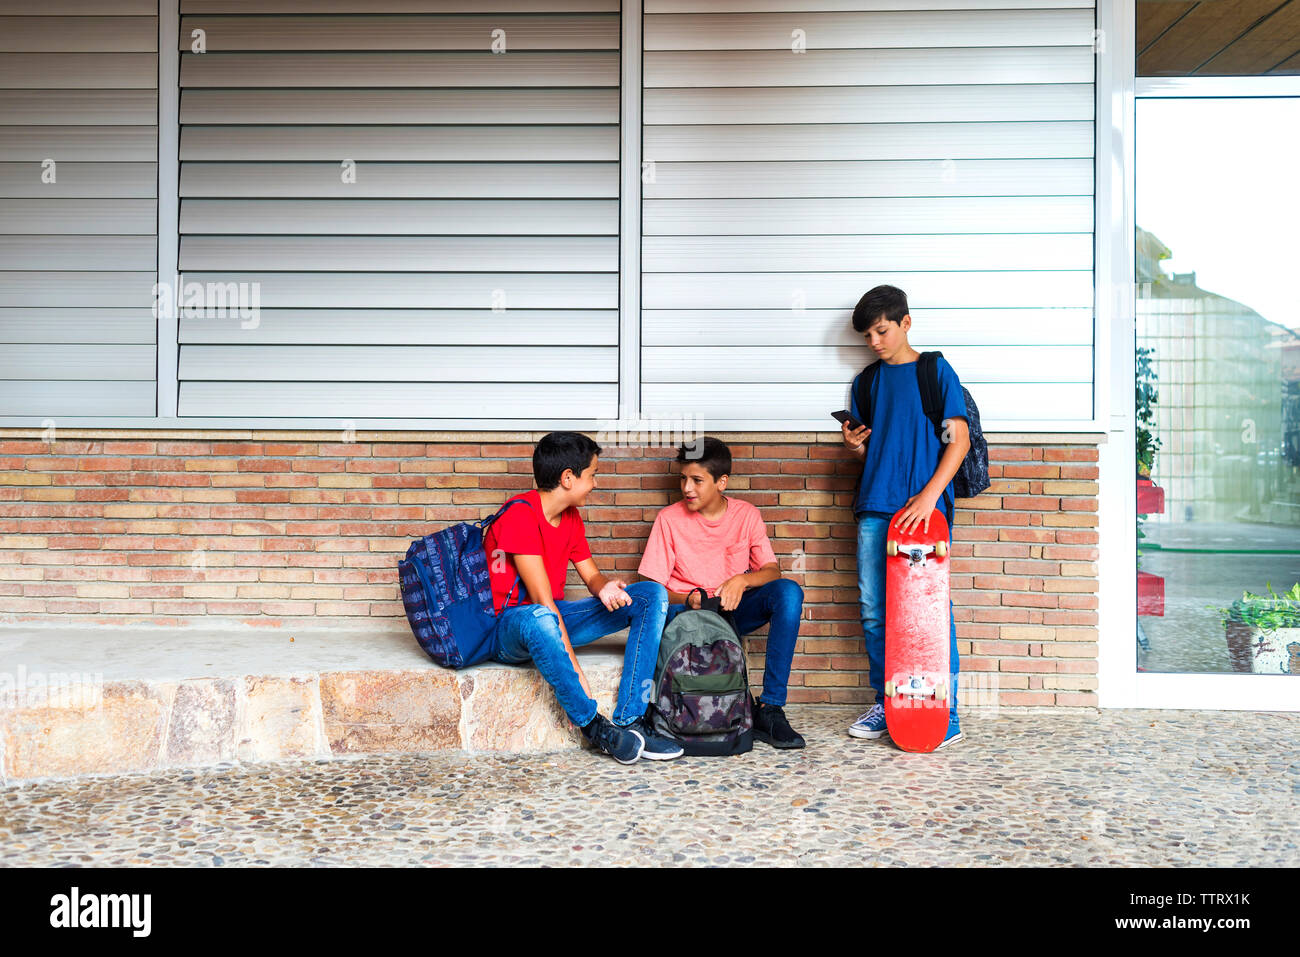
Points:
x=943, y=146
x=482, y=179
x=78, y=207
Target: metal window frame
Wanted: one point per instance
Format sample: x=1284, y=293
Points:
x=1120, y=685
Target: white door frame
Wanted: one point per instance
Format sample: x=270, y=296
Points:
x=1120, y=685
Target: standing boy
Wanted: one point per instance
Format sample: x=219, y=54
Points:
x=536, y=541
x=711, y=541
x=905, y=465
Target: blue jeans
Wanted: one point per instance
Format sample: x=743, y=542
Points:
x=873, y=530
x=780, y=603
x=532, y=632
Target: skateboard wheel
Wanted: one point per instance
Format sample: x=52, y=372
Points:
x=942, y=692
x=889, y=685
x=941, y=549
x=891, y=548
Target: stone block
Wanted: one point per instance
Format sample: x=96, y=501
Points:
x=280, y=718
x=202, y=729
x=367, y=711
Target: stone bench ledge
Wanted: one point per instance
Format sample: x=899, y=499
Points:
x=78, y=700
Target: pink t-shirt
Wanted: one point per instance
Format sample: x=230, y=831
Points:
x=687, y=551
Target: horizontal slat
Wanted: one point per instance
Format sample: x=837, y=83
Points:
x=352, y=400
x=460, y=180
x=868, y=141
x=946, y=177
x=800, y=6
x=76, y=180
x=361, y=217
x=1048, y=402
x=98, y=143
x=411, y=6
x=79, y=71
x=72, y=8
x=869, y=30
x=726, y=327
x=54, y=399
x=412, y=106
x=870, y=104
x=77, y=361
x=78, y=107
x=523, y=69
x=45, y=288
x=83, y=217
x=870, y=67
x=930, y=253
x=877, y=216
x=399, y=143
x=419, y=290
x=404, y=363
x=376, y=31
x=926, y=290
x=121, y=326
x=78, y=252
x=1000, y=362
x=402, y=253
x=46, y=34
x=441, y=327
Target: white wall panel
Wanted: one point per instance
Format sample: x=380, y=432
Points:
x=942, y=147
x=472, y=267
x=78, y=208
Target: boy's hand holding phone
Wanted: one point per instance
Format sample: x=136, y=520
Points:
x=854, y=439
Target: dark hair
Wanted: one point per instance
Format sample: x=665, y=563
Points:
x=889, y=300
x=558, y=451
x=715, y=458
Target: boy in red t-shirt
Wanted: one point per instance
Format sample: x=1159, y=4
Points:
x=529, y=548
x=720, y=544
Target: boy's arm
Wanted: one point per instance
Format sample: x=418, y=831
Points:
x=532, y=570
x=612, y=592
x=921, y=505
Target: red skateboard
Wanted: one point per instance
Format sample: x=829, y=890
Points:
x=916, y=634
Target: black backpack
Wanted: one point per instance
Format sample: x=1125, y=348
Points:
x=973, y=475
x=702, y=683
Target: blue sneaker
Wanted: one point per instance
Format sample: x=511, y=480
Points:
x=870, y=725
x=655, y=748
x=623, y=744
x=954, y=734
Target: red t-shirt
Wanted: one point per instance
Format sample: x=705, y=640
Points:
x=525, y=531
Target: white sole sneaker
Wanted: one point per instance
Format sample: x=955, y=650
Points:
x=959, y=736
x=856, y=732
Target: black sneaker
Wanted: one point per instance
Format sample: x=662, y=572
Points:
x=623, y=744
x=656, y=748
x=770, y=726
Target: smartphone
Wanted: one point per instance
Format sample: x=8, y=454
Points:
x=845, y=416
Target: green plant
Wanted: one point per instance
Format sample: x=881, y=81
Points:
x=1266, y=613
x=1147, y=397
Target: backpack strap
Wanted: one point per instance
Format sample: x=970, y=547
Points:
x=485, y=524
x=866, y=404
x=927, y=380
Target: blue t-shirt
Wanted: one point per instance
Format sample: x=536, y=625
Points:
x=902, y=450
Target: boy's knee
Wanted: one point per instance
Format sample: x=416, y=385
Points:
x=546, y=622
x=788, y=589
x=652, y=593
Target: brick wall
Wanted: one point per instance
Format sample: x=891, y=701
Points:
x=268, y=527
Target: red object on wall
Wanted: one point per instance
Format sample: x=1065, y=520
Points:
x=1150, y=498
x=1151, y=595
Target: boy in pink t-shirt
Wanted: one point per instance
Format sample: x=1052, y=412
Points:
x=720, y=544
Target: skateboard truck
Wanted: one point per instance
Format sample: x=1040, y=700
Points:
x=915, y=686
x=915, y=554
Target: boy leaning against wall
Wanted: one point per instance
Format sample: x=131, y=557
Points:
x=905, y=465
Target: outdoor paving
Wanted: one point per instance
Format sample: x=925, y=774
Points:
x=1131, y=788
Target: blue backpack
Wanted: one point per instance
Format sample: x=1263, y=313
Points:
x=447, y=592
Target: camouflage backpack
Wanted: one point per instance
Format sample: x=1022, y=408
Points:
x=702, y=684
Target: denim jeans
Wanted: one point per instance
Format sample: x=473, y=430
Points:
x=779, y=602
x=873, y=530
x=532, y=632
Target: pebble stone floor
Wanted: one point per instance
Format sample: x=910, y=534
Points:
x=1131, y=788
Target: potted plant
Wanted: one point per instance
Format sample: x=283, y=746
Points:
x=1263, y=632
